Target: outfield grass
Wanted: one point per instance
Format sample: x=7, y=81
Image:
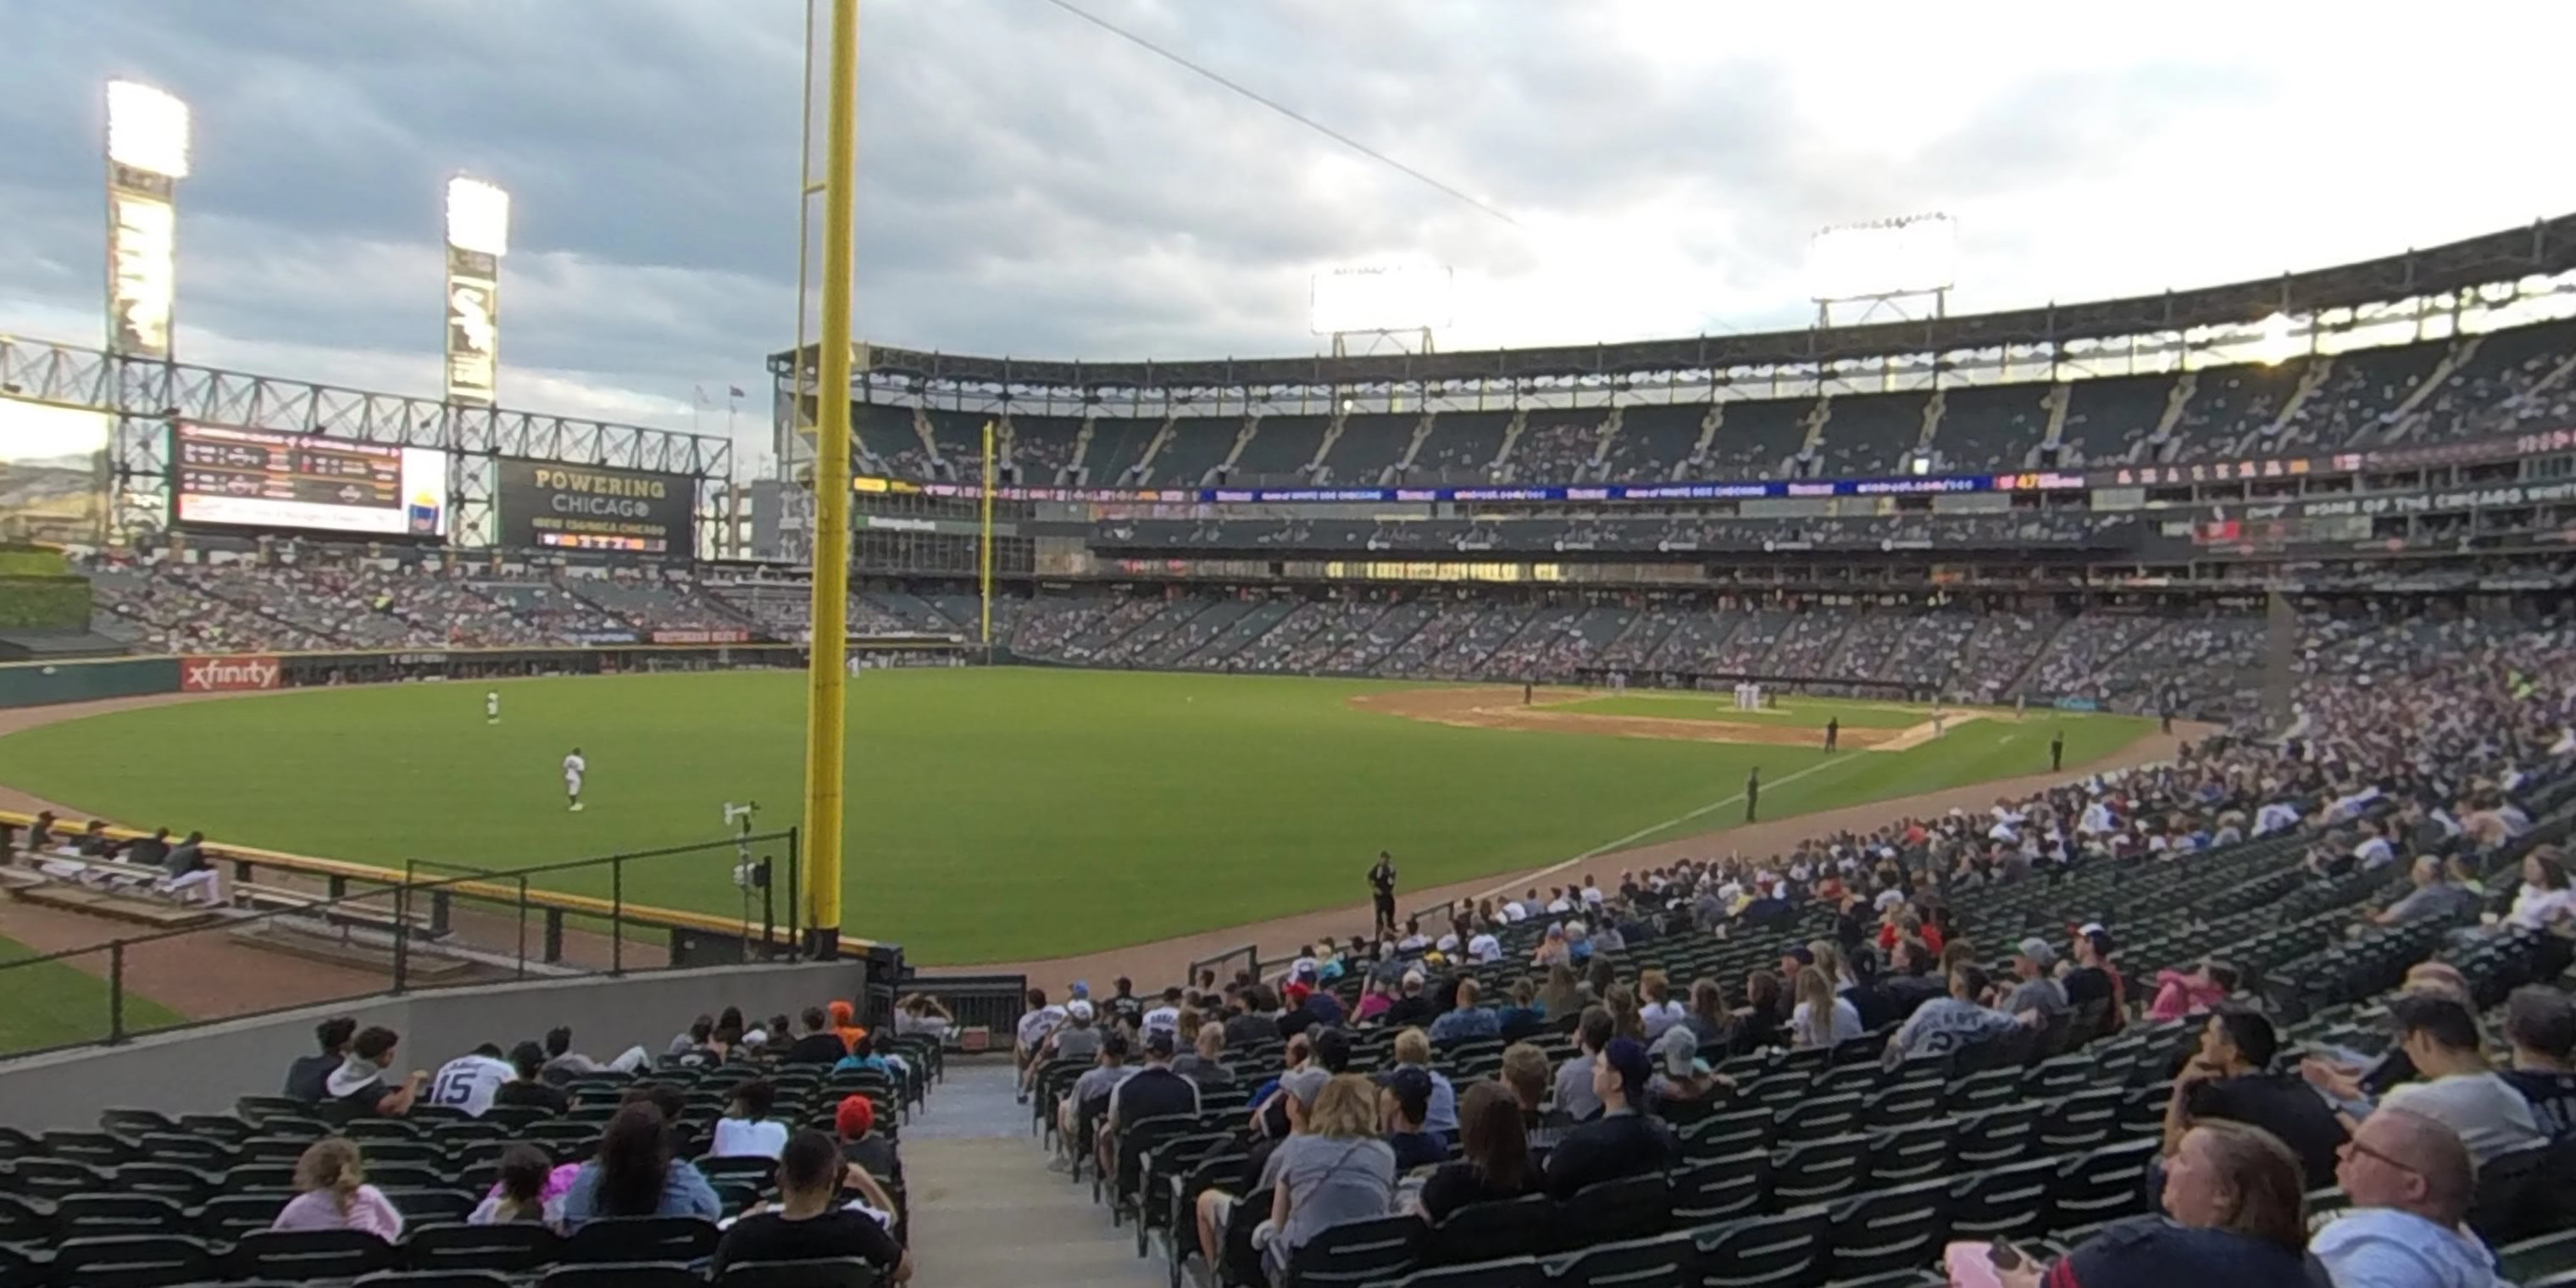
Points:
x=1855, y=713
x=993, y=814
x=57, y=1003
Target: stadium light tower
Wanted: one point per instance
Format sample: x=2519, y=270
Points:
x=1385, y=307
x=478, y=235
x=1882, y=264
x=147, y=156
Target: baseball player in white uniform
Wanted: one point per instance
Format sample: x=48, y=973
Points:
x=574, y=767
x=491, y=706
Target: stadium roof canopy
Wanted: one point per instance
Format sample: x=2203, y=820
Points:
x=2543, y=247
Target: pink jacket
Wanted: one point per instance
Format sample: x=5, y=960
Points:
x=369, y=1210
x=2178, y=995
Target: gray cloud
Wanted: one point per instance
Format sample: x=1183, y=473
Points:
x=1030, y=185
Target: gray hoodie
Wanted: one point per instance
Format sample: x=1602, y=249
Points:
x=2366, y=1247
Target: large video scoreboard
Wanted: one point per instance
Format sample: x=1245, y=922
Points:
x=257, y=479
x=552, y=505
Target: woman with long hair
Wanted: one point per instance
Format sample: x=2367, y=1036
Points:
x=333, y=1194
x=1709, y=1019
x=2235, y=1216
x=634, y=1174
x=1598, y=977
x=1823, y=1018
x=1759, y=1020
x=1625, y=1019
x=1497, y=1165
x=1560, y=996
x=1829, y=959
x=1336, y=1169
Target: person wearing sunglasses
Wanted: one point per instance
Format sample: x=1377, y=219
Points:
x=2410, y=1180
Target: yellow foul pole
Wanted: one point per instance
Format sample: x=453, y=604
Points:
x=987, y=556
x=831, y=645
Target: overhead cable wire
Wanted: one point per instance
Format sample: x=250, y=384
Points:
x=1281, y=108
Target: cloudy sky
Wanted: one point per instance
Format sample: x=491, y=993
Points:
x=1032, y=185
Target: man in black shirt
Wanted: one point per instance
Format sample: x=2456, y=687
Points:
x=2057, y=751
x=2231, y=1078
x=1382, y=892
x=1154, y=1090
x=809, y=1223
x=2090, y=980
x=1404, y=1100
x=305, y=1077
x=1913, y=984
x=2540, y=1023
x=856, y=1119
x=1125, y=1007
x=1620, y=1143
x=358, y=1087
x=151, y=851
x=819, y=1044
x=531, y=1090
x=1752, y=792
x=1259, y=1021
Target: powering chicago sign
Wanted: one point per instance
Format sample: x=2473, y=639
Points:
x=548, y=504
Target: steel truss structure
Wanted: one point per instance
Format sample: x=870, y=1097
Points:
x=2420, y=294
x=147, y=395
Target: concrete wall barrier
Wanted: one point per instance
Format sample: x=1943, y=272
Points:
x=37, y=684
x=202, y=1070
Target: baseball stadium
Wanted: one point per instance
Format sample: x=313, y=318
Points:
x=2036, y=796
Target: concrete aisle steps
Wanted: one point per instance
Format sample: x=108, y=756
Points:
x=986, y=1209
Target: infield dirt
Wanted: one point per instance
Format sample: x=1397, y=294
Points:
x=1502, y=708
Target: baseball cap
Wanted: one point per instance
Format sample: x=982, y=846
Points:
x=1411, y=1085
x=1079, y=1010
x=2036, y=949
x=1805, y=956
x=1158, y=1042
x=1677, y=1051
x=856, y=1116
x=1081, y=988
x=1304, y=1083
x=1628, y=1056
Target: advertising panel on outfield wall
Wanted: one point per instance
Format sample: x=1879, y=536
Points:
x=252, y=478
x=231, y=673
x=551, y=505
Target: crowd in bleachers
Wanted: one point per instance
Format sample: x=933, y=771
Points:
x=2471, y=386
x=2127, y=661
x=745, y=1142
x=2186, y=1020
x=352, y=602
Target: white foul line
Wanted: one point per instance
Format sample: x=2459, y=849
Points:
x=1665, y=826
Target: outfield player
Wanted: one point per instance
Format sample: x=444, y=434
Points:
x=491, y=706
x=574, y=767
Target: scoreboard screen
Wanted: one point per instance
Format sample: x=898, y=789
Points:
x=248, y=478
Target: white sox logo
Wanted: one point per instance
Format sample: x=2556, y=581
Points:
x=227, y=674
